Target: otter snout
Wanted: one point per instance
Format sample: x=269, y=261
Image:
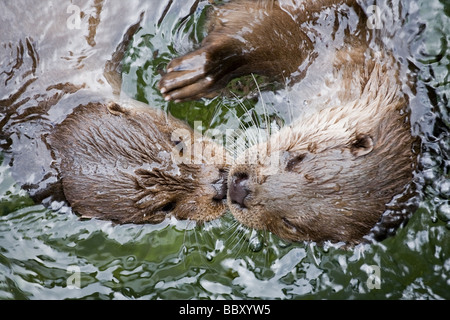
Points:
x=239, y=189
x=221, y=186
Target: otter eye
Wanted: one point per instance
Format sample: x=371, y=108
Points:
x=292, y=163
x=168, y=207
x=180, y=147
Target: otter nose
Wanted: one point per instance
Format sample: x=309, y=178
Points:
x=239, y=189
x=221, y=186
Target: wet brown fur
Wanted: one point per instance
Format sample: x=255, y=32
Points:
x=117, y=163
x=339, y=168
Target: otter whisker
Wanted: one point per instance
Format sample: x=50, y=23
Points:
x=290, y=106
x=231, y=148
x=252, y=138
x=184, y=235
x=233, y=239
x=241, y=233
x=263, y=103
x=231, y=227
x=216, y=114
x=266, y=249
x=197, y=244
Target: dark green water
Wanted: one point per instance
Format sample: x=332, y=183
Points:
x=51, y=254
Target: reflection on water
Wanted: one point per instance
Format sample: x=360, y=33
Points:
x=55, y=62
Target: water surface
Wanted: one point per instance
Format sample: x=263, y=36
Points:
x=51, y=60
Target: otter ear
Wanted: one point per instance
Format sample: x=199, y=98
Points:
x=362, y=145
x=116, y=109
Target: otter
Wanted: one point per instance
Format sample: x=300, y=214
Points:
x=331, y=174
x=70, y=136
x=124, y=162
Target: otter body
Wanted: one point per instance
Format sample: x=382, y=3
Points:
x=68, y=136
x=329, y=175
x=118, y=161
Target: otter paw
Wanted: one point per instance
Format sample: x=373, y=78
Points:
x=187, y=77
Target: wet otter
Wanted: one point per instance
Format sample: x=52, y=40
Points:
x=328, y=175
x=118, y=162
x=67, y=135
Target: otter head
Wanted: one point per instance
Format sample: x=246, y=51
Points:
x=327, y=177
x=124, y=162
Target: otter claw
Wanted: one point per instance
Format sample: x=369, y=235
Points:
x=186, y=78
